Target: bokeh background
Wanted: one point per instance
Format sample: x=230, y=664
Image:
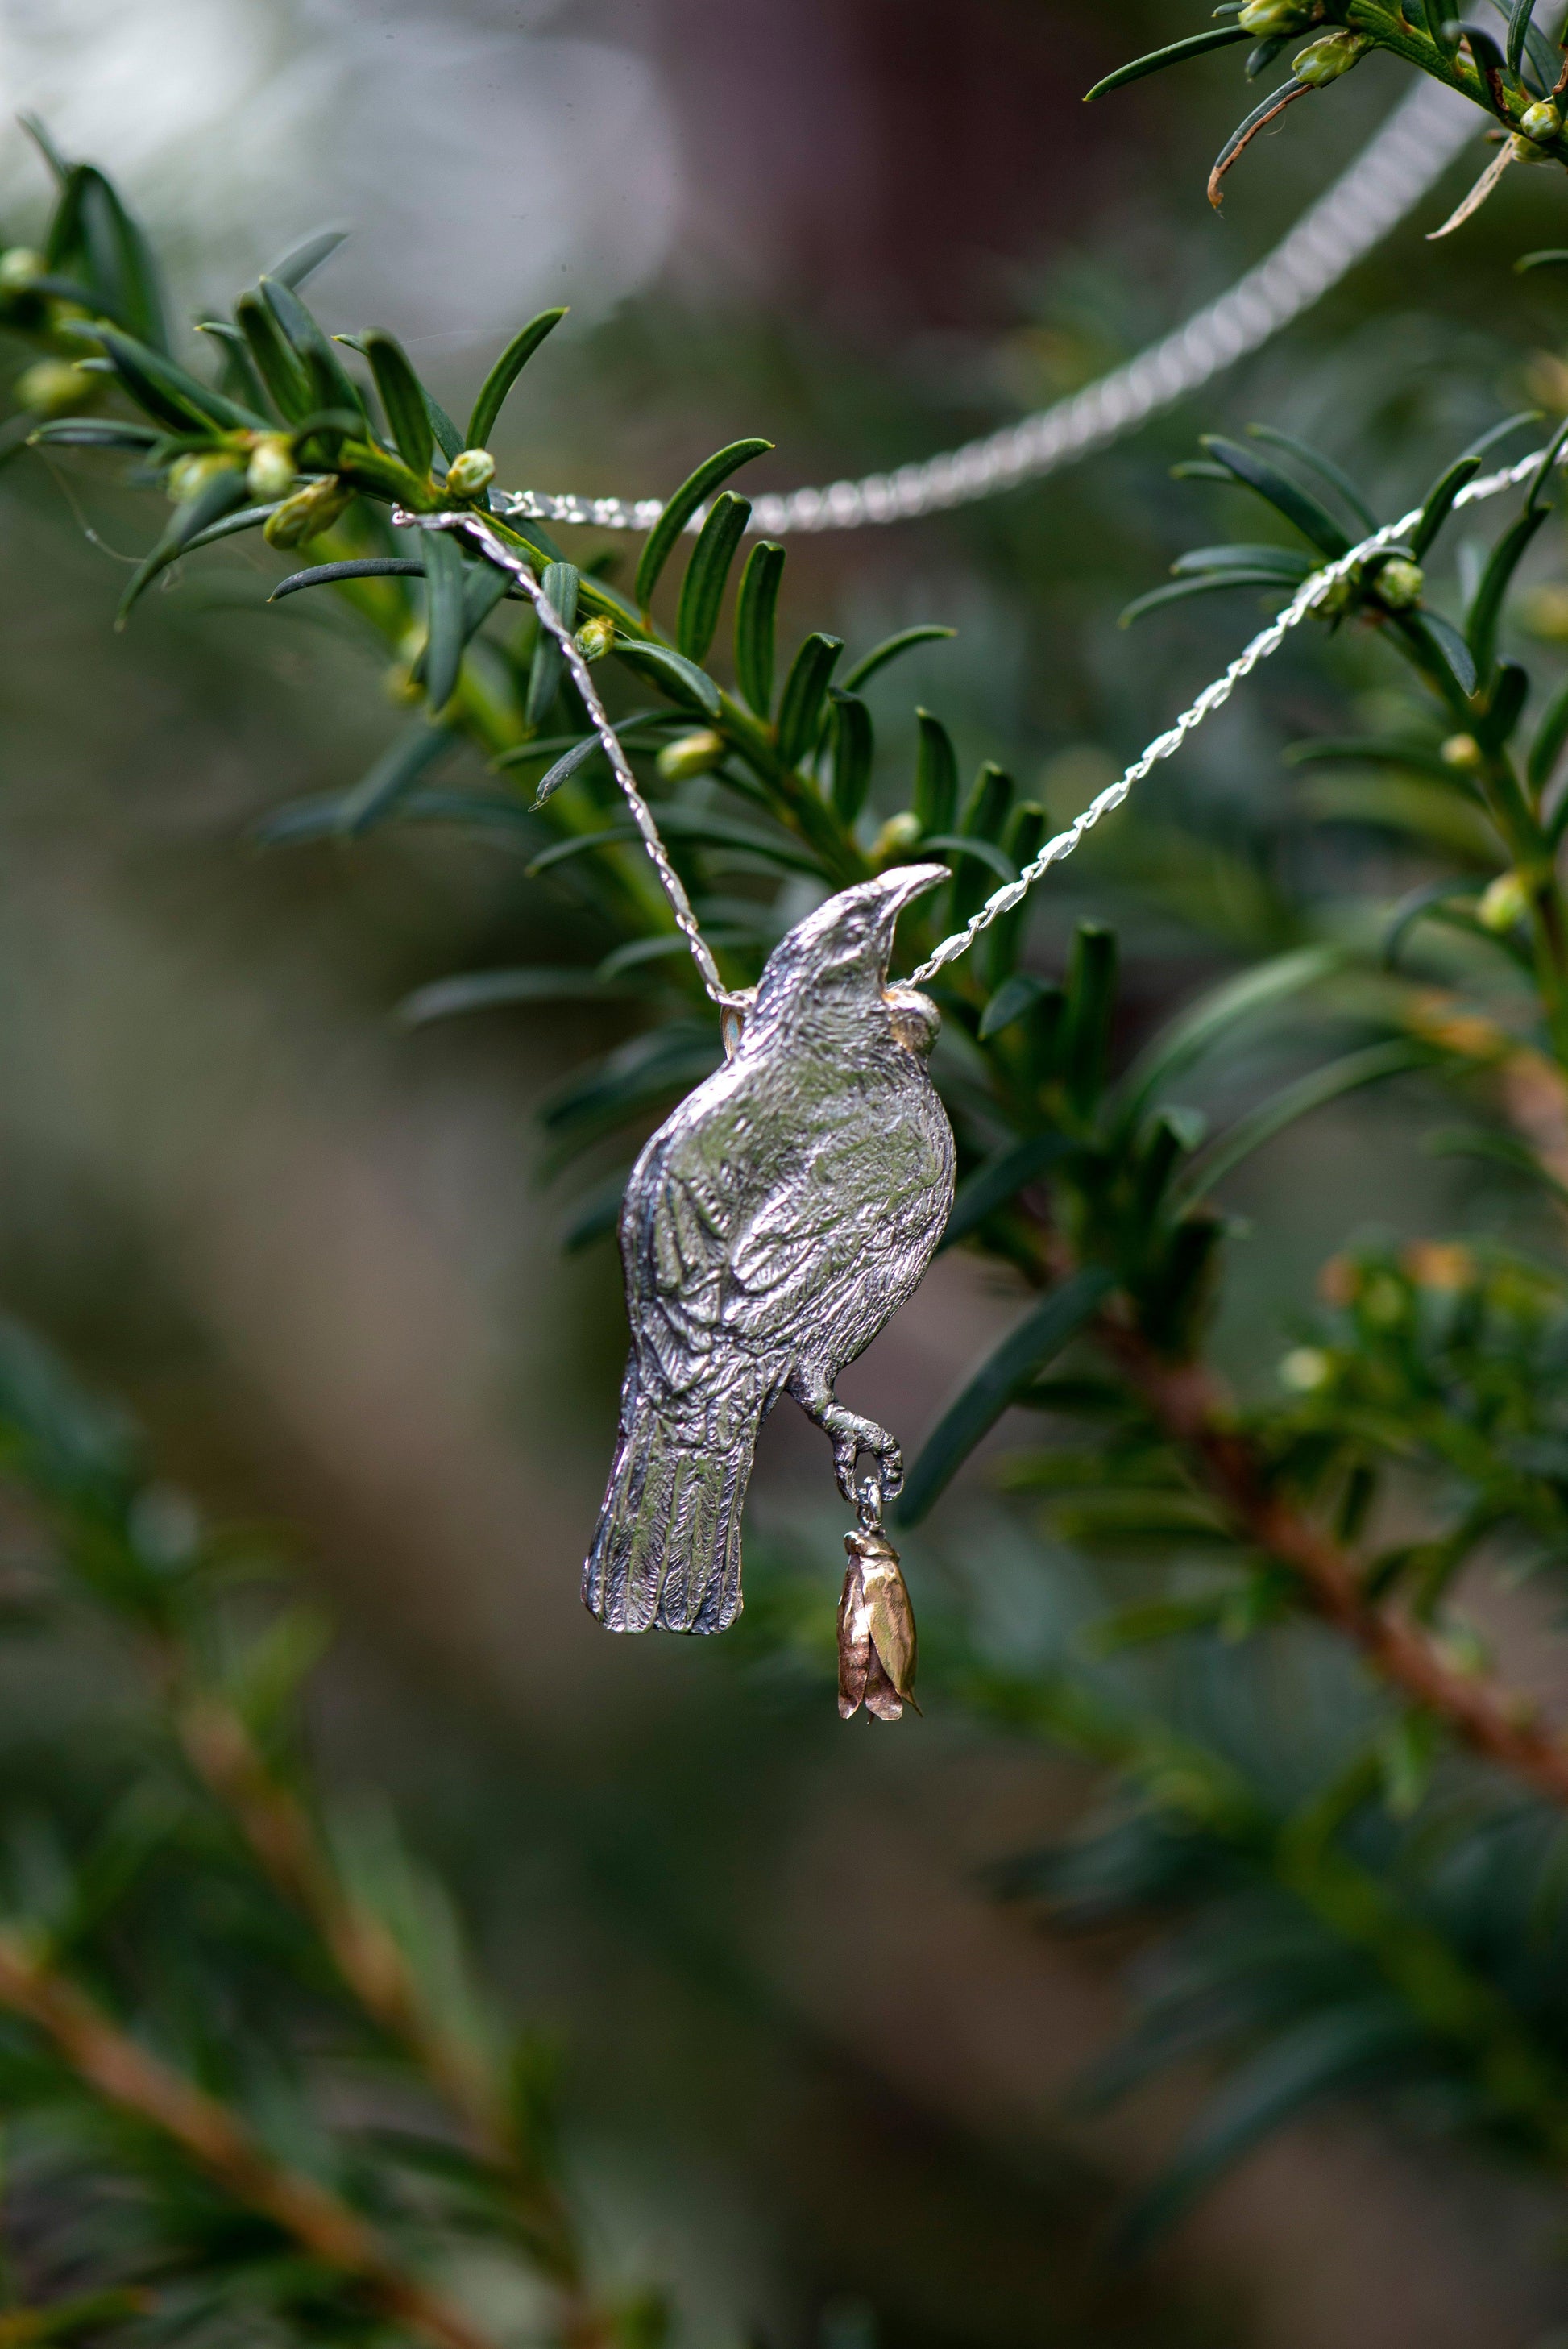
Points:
x=821, y=2081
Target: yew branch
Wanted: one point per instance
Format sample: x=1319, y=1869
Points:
x=108, y=2060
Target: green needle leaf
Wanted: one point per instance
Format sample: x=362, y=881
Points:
x=403, y=397
x=702, y=589
x=1156, y=60
x=854, y=749
x=1016, y=1364
x=891, y=649
x=559, y=582
x=504, y=374
x=756, y=613
x=935, y=800
x=444, y=616
x=662, y=538
x=805, y=691
x=680, y=677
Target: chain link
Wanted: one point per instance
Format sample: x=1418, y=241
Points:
x=1307, y=598
x=1397, y=168
x=1390, y=175
x=496, y=551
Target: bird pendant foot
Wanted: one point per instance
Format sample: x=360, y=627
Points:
x=850, y=1435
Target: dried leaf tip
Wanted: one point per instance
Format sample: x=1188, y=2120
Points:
x=876, y=1631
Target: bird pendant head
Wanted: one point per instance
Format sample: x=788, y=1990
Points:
x=828, y=979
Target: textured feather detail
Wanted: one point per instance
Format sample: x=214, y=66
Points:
x=666, y=1552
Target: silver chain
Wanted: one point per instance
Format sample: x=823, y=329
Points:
x=1307, y=599
x=496, y=551
x=1389, y=176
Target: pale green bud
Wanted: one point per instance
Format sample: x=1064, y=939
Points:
x=594, y=639
x=55, y=388
x=1399, y=583
x=1271, y=18
x=188, y=475
x=471, y=470
x=20, y=269
x=898, y=835
x=1323, y=60
x=307, y=513
x=1461, y=750
x=692, y=754
x=1525, y=151
x=1541, y=122
x=1503, y=902
x=272, y=472
x=1304, y=1368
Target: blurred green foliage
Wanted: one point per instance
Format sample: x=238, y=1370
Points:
x=1331, y=1887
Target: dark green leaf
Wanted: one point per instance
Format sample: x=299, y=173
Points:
x=1299, y=506
x=992, y=1185
x=303, y=259
x=1322, y=2054
x=756, y=611
x=1016, y=1363
x=1485, y=614
x=93, y=236
x=647, y=1070
x=704, y=831
x=284, y=379
x=1408, y=757
x=853, y=752
x=1550, y=736
x=1208, y=585
x=596, y=1214
x=363, y=566
x=504, y=374
x=565, y=767
x=443, y=616
x=93, y=432
x=1549, y=257
x=661, y=541
x=188, y=524
x=702, y=589
x=1012, y=999
x=1274, y=104
x=985, y=810
x=392, y=778
x=1439, y=503
x=891, y=649
x=1324, y=467
x=984, y=852
x=1091, y=999
x=1371, y=1065
x=331, y=384
x=1283, y=562
x=402, y=396
x=1190, y=1034
x=561, y=582
x=935, y=800
x=162, y=388
x=805, y=691
x=486, y=990
x=1196, y=45
x=680, y=677
x=1443, y=644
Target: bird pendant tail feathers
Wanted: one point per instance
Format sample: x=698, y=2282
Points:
x=666, y=1553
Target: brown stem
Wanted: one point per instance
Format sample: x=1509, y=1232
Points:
x=126, y=2075
x=1189, y=1403
x=283, y=1838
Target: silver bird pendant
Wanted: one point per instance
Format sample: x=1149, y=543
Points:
x=771, y=1226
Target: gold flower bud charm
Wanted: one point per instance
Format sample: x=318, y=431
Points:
x=876, y=1631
